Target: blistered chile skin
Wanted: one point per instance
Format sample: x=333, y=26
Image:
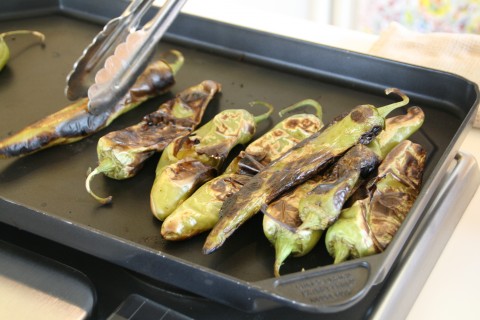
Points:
x=368, y=226
x=75, y=122
x=121, y=154
x=210, y=145
x=200, y=212
x=297, y=165
x=294, y=222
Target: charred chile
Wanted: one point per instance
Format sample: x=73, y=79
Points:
x=74, y=122
x=282, y=137
x=322, y=205
x=121, y=153
x=368, y=226
x=297, y=165
x=397, y=129
x=179, y=177
x=199, y=212
x=318, y=201
x=281, y=222
x=210, y=145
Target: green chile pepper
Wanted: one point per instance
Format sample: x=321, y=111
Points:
x=5, y=51
x=299, y=164
x=321, y=207
x=75, y=122
x=368, y=226
x=397, y=129
x=350, y=236
x=318, y=201
x=210, y=145
x=280, y=222
x=283, y=223
x=282, y=137
x=199, y=212
x=178, y=180
x=122, y=153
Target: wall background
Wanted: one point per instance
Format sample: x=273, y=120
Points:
x=362, y=15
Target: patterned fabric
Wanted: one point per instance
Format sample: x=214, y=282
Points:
x=421, y=15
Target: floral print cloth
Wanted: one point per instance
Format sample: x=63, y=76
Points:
x=421, y=15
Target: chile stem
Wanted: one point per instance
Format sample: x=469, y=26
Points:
x=264, y=116
x=178, y=61
x=342, y=252
x=283, y=248
x=104, y=166
x=5, y=51
x=306, y=102
x=385, y=110
x=21, y=32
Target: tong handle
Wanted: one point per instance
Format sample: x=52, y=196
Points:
x=129, y=60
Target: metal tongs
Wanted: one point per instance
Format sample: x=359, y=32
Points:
x=110, y=65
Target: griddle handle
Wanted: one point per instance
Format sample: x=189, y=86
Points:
x=330, y=289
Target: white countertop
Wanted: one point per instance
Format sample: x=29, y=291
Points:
x=451, y=290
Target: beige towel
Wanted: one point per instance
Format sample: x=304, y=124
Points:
x=451, y=52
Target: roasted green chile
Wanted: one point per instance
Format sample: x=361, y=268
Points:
x=397, y=129
x=75, y=122
x=121, y=153
x=177, y=181
x=210, y=145
x=199, y=212
x=318, y=201
x=282, y=137
x=321, y=207
x=299, y=164
x=5, y=50
x=368, y=226
x=280, y=222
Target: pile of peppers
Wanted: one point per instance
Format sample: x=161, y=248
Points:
x=368, y=226
x=188, y=162
x=200, y=212
x=303, y=192
x=122, y=153
x=305, y=180
x=295, y=222
x=300, y=163
x=354, y=179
